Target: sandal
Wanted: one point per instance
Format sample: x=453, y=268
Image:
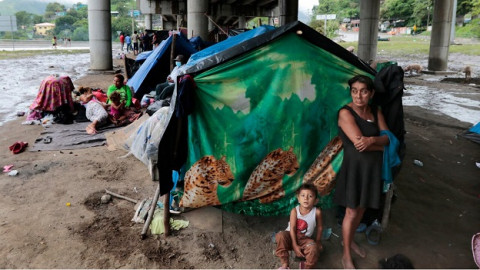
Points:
x=18, y=147
x=47, y=140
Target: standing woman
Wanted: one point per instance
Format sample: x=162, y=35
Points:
x=359, y=184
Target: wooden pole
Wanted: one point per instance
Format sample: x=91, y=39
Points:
x=166, y=214
x=172, y=53
x=220, y=28
x=151, y=212
x=386, y=209
x=120, y=196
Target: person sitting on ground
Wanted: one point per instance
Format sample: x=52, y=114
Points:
x=124, y=90
x=165, y=90
x=94, y=109
x=304, y=218
x=117, y=109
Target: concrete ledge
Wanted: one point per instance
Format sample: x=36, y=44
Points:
x=439, y=72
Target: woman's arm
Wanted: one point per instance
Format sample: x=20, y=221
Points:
x=128, y=102
x=318, y=219
x=347, y=123
x=374, y=143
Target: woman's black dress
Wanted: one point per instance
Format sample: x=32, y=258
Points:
x=359, y=181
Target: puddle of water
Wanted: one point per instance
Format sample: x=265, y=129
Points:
x=21, y=78
x=461, y=108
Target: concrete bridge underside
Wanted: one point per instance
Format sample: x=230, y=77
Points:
x=201, y=16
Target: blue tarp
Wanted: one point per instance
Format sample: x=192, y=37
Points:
x=476, y=128
x=229, y=42
x=141, y=81
x=157, y=65
x=143, y=56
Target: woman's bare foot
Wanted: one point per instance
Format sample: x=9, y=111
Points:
x=358, y=249
x=91, y=129
x=347, y=264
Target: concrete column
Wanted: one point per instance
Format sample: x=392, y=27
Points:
x=242, y=22
x=197, y=22
x=288, y=11
x=211, y=26
x=440, y=37
x=100, y=35
x=368, y=33
x=148, y=21
x=161, y=22
x=179, y=21
x=454, y=21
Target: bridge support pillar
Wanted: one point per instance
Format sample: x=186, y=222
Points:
x=100, y=35
x=197, y=22
x=148, y=21
x=440, y=36
x=288, y=10
x=368, y=33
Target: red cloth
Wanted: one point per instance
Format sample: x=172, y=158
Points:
x=53, y=93
x=102, y=97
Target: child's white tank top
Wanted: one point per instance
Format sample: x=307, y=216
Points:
x=309, y=218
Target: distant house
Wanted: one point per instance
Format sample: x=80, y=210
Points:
x=78, y=6
x=42, y=28
x=355, y=25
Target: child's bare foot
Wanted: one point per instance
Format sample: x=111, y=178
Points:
x=347, y=264
x=359, y=250
x=91, y=129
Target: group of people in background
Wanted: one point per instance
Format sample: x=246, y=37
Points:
x=138, y=43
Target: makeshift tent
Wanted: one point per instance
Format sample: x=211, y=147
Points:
x=473, y=133
x=156, y=67
x=259, y=116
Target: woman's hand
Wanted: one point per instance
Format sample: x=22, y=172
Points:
x=363, y=143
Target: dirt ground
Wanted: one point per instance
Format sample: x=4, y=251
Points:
x=433, y=217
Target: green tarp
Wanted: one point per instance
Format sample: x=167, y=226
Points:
x=282, y=95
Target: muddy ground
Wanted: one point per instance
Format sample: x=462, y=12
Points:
x=433, y=217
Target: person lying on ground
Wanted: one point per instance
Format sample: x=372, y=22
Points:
x=94, y=110
x=304, y=219
x=165, y=90
x=117, y=109
x=124, y=90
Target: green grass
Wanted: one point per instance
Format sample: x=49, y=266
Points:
x=415, y=45
x=25, y=54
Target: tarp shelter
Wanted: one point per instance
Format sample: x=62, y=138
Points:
x=156, y=67
x=261, y=113
x=473, y=133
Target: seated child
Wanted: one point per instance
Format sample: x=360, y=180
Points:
x=117, y=109
x=304, y=218
x=94, y=109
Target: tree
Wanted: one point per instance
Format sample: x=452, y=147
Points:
x=37, y=19
x=64, y=25
x=343, y=9
x=51, y=9
x=420, y=12
x=397, y=10
x=464, y=6
x=24, y=18
x=81, y=33
x=475, y=7
x=122, y=24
